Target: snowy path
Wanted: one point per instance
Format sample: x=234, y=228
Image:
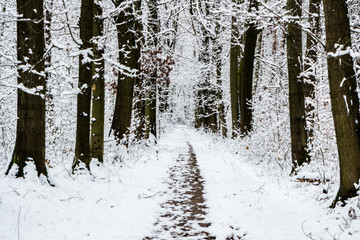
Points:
x=214, y=190
x=184, y=215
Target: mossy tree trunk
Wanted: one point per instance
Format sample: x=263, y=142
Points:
x=98, y=86
x=344, y=95
x=82, y=145
x=296, y=86
x=30, y=132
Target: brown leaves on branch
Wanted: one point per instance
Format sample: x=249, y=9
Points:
x=157, y=61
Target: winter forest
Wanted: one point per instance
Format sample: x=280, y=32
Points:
x=179, y=119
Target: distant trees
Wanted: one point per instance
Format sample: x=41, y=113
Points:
x=30, y=131
x=205, y=113
x=344, y=95
x=151, y=80
x=209, y=105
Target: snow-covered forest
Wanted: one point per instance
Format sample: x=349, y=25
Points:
x=179, y=119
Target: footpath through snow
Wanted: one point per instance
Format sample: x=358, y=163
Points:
x=232, y=196
x=184, y=214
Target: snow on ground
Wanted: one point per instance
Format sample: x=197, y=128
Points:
x=245, y=198
x=117, y=203
x=122, y=201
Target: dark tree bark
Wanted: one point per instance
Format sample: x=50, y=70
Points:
x=98, y=87
x=234, y=67
x=246, y=71
x=30, y=132
x=296, y=87
x=82, y=146
x=344, y=95
x=129, y=54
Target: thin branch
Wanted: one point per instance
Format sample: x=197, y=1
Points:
x=68, y=25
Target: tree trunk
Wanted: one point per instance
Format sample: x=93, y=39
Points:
x=217, y=49
x=344, y=96
x=296, y=87
x=30, y=132
x=246, y=71
x=49, y=99
x=98, y=87
x=206, y=113
x=309, y=65
x=82, y=146
x=129, y=54
x=139, y=104
x=151, y=103
x=234, y=65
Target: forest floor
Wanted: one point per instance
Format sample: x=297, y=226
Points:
x=190, y=185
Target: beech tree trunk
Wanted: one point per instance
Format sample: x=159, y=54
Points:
x=30, y=132
x=98, y=86
x=296, y=87
x=82, y=146
x=344, y=95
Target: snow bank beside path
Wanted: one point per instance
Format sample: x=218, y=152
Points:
x=118, y=202
x=245, y=199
